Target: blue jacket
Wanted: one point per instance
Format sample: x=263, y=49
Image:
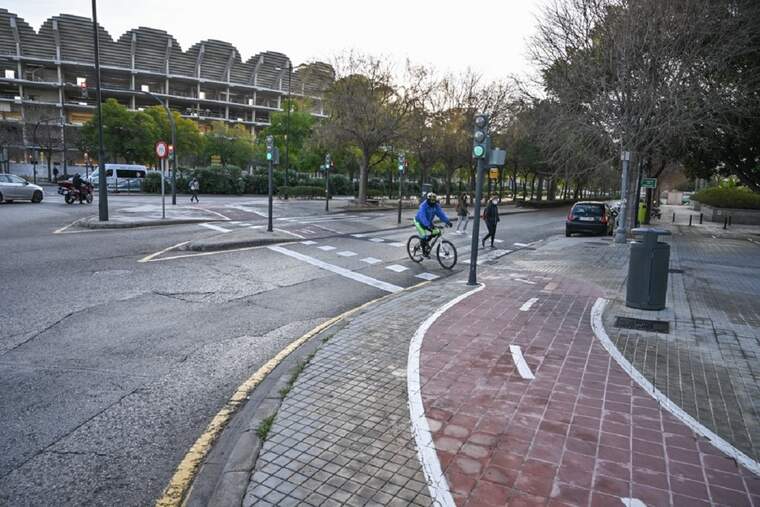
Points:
x=427, y=212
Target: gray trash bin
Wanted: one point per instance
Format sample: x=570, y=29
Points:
x=647, y=285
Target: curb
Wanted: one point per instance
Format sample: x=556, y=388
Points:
x=144, y=223
x=202, y=246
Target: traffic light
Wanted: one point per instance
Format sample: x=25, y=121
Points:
x=270, y=147
x=401, y=162
x=480, y=136
x=328, y=162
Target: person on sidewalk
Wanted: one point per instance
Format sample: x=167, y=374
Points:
x=462, y=213
x=423, y=220
x=194, y=187
x=491, y=216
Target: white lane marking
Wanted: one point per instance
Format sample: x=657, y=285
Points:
x=632, y=502
x=215, y=227
x=521, y=244
x=396, y=244
x=234, y=222
x=526, y=305
x=524, y=281
x=308, y=242
x=224, y=217
x=522, y=366
x=59, y=231
x=346, y=253
x=326, y=248
x=359, y=235
x=377, y=240
x=291, y=233
x=397, y=268
x=427, y=276
x=500, y=241
x=436, y=481
x=243, y=224
x=601, y=334
x=256, y=227
x=148, y=258
x=371, y=260
x=358, y=277
x=246, y=209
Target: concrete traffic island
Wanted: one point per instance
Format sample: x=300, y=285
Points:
x=242, y=238
x=150, y=215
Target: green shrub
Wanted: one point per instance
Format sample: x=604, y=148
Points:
x=686, y=186
x=736, y=197
x=152, y=182
x=301, y=191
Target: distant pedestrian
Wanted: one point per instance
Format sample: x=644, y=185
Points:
x=462, y=213
x=194, y=187
x=491, y=216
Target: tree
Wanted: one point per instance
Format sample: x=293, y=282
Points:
x=233, y=144
x=188, y=137
x=300, y=130
x=127, y=135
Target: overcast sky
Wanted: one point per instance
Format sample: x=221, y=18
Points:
x=488, y=36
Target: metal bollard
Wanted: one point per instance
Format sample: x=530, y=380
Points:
x=674, y=218
x=725, y=222
x=690, y=220
x=700, y=218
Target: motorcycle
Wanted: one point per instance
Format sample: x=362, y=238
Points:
x=71, y=194
x=656, y=213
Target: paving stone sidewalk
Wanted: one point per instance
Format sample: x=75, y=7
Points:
x=342, y=435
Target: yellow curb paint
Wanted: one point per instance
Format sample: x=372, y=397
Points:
x=174, y=493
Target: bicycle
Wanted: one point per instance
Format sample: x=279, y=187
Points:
x=446, y=252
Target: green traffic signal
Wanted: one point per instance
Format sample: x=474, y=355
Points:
x=478, y=151
x=269, y=156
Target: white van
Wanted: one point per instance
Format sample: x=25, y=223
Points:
x=121, y=177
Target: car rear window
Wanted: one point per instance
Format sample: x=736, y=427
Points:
x=587, y=210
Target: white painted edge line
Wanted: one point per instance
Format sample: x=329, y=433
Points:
x=520, y=244
x=148, y=258
x=396, y=244
x=308, y=242
x=524, y=281
x=499, y=241
x=601, y=334
x=214, y=227
x=291, y=233
x=346, y=253
x=526, y=305
x=207, y=211
x=347, y=273
x=522, y=365
x=359, y=235
x=436, y=481
x=377, y=240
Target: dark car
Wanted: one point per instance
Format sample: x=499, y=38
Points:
x=590, y=217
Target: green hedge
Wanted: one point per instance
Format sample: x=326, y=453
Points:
x=309, y=192
x=736, y=197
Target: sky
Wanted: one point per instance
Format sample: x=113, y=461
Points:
x=487, y=36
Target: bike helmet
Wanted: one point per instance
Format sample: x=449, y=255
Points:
x=432, y=198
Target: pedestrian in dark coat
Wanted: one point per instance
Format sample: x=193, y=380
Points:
x=491, y=217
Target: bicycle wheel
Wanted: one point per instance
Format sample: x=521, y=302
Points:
x=414, y=248
x=447, y=254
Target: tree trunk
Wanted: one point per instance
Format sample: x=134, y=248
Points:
x=532, y=186
x=551, y=192
x=448, y=187
x=540, y=189
x=363, y=178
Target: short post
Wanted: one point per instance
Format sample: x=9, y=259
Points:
x=689, y=220
x=674, y=217
x=701, y=215
x=729, y=219
x=725, y=222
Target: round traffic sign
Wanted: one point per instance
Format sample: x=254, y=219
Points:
x=162, y=149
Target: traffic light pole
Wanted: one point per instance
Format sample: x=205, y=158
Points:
x=473, y=278
x=327, y=188
x=102, y=182
x=400, y=193
x=269, y=223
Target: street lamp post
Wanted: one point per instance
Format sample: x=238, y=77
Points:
x=620, y=234
x=287, y=126
x=102, y=182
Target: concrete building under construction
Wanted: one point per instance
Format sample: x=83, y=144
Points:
x=42, y=75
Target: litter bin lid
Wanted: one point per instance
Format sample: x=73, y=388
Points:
x=651, y=230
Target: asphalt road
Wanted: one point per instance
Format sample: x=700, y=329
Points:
x=110, y=368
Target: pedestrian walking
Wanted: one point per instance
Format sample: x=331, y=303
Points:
x=491, y=217
x=194, y=187
x=462, y=213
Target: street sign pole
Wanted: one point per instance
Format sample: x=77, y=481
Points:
x=163, y=191
x=269, y=176
x=401, y=170
x=328, y=163
x=620, y=234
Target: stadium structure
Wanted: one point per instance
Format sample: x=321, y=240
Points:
x=43, y=73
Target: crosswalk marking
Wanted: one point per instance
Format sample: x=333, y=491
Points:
x=379, y=284
x=396, y=244
x=522, y=366
x=521, y=244
x=377, y=240
x=427, y=276
x=215, y=227
x=398, y=268
x=526, y=306
x=309, y=242
x=346, y=253
x=326, y=248
x=359, y=235
x=371, y=260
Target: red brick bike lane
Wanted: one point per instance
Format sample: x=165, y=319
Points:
x=581, y=432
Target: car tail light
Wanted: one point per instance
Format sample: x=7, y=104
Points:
x=570, y=217
x=604, y=217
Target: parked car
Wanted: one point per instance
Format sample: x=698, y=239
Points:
x=15, y=188
x=590, y=217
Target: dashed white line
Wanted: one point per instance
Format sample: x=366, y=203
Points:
x=346, y=253
x=359, y=235
x=526, y=305
x=521, y=244
x=377, y=240
x=308, y=242
x=396, y=244
x=522, y=367
x=358, y=277
x=371, y=260
x=427, y=276
x=499, y=240
x=398, y=268
x=215, y=227
x=326, y=248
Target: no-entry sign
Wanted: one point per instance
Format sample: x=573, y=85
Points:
x=162, y=149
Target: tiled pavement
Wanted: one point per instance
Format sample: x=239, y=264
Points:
x=581, y=433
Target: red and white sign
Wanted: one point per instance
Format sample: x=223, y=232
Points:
x=162, y=149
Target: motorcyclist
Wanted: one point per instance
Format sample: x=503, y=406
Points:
x=77, y=182
x=423, y=220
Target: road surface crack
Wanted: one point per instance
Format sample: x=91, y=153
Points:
x=45, y=329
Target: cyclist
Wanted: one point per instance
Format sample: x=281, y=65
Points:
x=423, y=221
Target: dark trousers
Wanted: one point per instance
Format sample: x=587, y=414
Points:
x=491, y=232
x=194, y=196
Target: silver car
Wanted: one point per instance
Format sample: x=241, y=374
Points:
x=15, y=188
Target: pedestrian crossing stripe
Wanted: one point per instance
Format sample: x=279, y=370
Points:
x=309, y=242
x=427, y=276
x=326, y=248
x=347, y=253
x=398, y=268
x=371, y=260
